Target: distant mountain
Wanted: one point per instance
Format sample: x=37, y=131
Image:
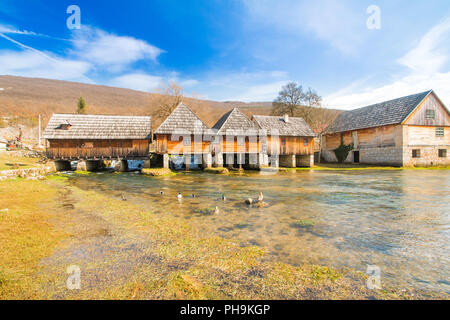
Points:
x=28, y=97
x=33, y=96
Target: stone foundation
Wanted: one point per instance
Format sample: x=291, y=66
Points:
x=61, y=165
x=218, y=160
x=305, y=160
x=165, y=161
x=81, y=166
x=207, y=160
x=429, y=156
x=288, y=161
x=93, y=165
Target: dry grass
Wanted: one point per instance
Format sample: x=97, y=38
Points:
x=9, y=162
x=26, y=236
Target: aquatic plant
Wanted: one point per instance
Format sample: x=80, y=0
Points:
x=304, y=223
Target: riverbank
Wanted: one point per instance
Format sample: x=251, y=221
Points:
x=345, y=166
x=128, y=252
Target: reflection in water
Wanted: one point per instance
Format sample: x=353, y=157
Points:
x=397, y=220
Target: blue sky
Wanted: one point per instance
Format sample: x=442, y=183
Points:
x=236, y=49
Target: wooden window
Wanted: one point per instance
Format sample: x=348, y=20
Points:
x=442, y=153
x=240, y=141
x=305, y=142
x=439, y=132
x=430, y=114
x=283, y=142
x=416, y=153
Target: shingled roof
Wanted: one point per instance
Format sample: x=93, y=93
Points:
x=181, y=121
x=99, y=127
x=234, y=122
x=296, y=127
x=376, y=115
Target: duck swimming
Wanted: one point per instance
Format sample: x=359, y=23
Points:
x=179, y=196
x=261, y=197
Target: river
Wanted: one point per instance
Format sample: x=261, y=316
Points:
x=397, y=220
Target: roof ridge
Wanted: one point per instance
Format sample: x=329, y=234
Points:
x=391, y=100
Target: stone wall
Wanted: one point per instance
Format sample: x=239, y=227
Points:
x=392, y=156
x=429, y=156
x=31, y=173
x=329, y=156
x=288, y=161
x=305, y=161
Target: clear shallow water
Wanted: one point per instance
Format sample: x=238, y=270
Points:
x=397, y=220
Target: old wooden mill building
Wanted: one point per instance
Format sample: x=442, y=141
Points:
x=408, y=131
x=182, y=140
x=97, y=137
x=412, y=130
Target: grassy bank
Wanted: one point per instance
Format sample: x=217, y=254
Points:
x=126, y=251
x=8, y=162
x=27, y=235
x=356, y=167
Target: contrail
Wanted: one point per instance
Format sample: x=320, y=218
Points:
x=27, y=47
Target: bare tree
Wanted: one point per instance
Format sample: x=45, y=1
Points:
x=289, y=99
x=166, y=100
x=292, y=100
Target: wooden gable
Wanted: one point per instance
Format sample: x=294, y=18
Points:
x=431, y=112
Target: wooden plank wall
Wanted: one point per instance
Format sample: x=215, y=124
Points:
x=442, y=118
x=97, y=149
x=164, y=144
x=386, y=136
x=233, y=145
x=292, y=145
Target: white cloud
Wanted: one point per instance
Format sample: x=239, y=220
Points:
x=430, y=55
x=137, y=81
x=426, y=69
x=110, y=50
x=92, y=49
x=31, y=64
x=333, y=21
x=11, y=30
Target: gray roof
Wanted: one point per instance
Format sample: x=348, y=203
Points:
x=234, y=122
x=182, y=120
x=296, y=127
x=380, y=114
x=77, y=126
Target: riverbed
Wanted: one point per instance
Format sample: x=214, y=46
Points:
x=397, y=220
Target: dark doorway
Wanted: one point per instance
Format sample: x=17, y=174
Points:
x=356, y=156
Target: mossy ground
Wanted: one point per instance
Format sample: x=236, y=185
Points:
x=218, y=170
x=356, y=167
x=157, y=172
x=126, y=252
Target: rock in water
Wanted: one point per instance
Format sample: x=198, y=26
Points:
x=249, y=201
x=217, y=211
x=179, y=196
